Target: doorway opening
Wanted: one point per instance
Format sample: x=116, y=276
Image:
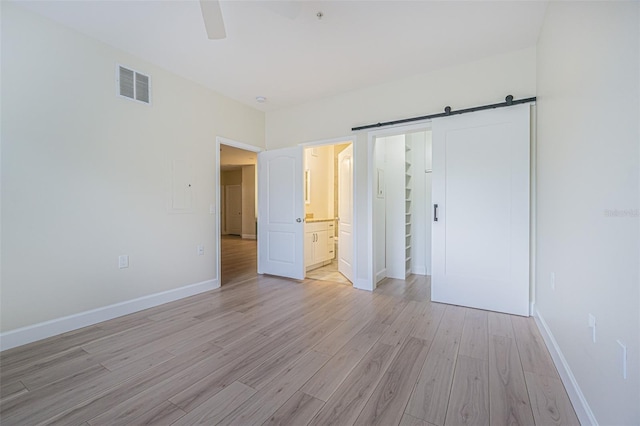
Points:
x=401, y=196
x=328, y=198
x=237, y=260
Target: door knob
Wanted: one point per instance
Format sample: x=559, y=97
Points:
x=298, y=220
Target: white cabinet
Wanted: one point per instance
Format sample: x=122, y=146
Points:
x=319, y=244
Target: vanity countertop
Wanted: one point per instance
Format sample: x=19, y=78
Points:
x=314, y=220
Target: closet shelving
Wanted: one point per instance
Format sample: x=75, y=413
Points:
x=408, y=198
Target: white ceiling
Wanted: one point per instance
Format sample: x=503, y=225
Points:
x=283, y=52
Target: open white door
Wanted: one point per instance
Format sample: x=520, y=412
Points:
x=345, y=212
x=280, y=213
x=480, y=199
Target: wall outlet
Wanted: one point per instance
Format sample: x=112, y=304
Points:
x=623, y=348
x=552, y=280
x=200, y=250
x=592, y=325
x=123, y=261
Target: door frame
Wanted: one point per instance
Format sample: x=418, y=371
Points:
x=371, y=184
x=356, y=247
x=216, y=213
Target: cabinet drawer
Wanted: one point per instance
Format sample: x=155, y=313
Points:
x=315, y=226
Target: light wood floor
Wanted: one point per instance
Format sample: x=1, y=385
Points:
x=238, y=259
x=275, y=351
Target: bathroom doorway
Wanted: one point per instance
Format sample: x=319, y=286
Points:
x=328, y=195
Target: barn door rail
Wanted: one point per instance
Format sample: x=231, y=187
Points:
x=508, y=101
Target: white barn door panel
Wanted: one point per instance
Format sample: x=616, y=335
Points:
x=481, y=189
x=280, y=213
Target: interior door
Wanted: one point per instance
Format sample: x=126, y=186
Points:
x=345, y=212
x=280, y=213
x=480, y=226
x=233, y=209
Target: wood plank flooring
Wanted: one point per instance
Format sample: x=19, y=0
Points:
x=238, y=259
x=263, y=350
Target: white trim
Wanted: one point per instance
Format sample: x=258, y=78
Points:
x=357, y=283
x=380, y=275
x=371, y=276
x=218, y=226
x=248, y=236
x=32, y=333
x=419, y=270
x=355, y=233
x=580, y=404
x=533, y=209
x=362, y=284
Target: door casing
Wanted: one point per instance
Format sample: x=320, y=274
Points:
x=214, y=209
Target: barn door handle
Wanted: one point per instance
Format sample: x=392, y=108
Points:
x=435, y=212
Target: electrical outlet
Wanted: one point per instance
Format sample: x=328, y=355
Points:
x=592, y=325
x=200, y=250
x=552, y=280
x=623, y=348
x=123, y=261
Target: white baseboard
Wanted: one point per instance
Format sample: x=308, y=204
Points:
x=248, y=236
x=419, y=270
x=380, y=275
x=580, y=404
x=362, y=284
x=32, y=333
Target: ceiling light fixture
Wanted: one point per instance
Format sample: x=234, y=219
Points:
x=261, y=99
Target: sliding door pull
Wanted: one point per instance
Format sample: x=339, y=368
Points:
x=435, y=212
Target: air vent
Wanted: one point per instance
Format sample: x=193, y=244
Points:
x=133, y=85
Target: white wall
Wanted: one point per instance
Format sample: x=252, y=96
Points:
x=379, y=212
x=475, y=83
x=394, y=175
x=85, y=174
x=588, y=162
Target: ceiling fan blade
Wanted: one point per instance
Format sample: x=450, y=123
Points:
x=212, y=16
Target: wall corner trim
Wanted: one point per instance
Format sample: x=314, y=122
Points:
x=362, y=284
x=35, y=332
x=578, y=400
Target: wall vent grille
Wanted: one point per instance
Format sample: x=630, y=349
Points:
x=133, y=85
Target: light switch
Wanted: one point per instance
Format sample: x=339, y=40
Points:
x=123, y=261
